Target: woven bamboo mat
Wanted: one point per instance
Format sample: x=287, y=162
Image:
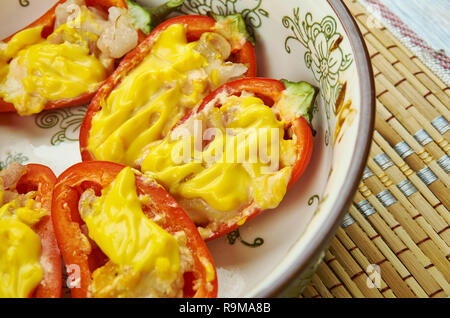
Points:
x=394, y=242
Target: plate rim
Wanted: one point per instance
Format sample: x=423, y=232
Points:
x=309, y=255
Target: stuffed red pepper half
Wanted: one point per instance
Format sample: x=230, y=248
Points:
x=237, y=153
x=122, y=235
x=179, y=63
x=30, y=263
x=62, y=58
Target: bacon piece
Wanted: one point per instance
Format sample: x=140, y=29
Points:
x=11, y=175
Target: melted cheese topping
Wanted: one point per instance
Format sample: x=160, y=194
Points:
x=132, y=241
x=148, y=102
x=28, y=213
x=34, y=70
x=233, y=169
x=20, y=249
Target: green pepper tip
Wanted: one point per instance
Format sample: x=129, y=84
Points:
x=300, y=98
x=239, y=24
x=175, y=3
x=146, y=18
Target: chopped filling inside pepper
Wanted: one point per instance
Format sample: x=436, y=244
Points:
x=73, y=60
x=20, y=248
x=171, y=80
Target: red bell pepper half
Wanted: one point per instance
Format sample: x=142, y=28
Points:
x=143, y=19
x=296, y=112
x=72, y=242
x=196, y=25
x=48, y=22
x=41, y=179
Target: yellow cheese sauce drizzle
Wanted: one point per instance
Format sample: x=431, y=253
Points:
x=120, y=228
x=20, y=249
x=215, y=174
x=152, y=98
x=34, y=70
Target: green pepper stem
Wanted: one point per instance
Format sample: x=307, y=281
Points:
x=159, y=13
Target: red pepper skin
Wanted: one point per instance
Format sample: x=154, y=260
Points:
x=48, y=22
x=41, y=178
x=196, y=25
x=270, y=91
x=74, y=248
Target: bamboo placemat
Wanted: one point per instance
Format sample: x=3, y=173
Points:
x=394, y=241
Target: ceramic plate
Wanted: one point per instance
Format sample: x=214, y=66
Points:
x=305, y=40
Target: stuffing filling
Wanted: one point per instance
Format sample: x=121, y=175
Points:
x=20, y=249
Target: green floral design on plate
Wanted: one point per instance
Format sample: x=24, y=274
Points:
x=327, y=136
x=17, y=157
x=24, y=3
x=253, y=15
x=313, y=198
x=323, y=56
x=67, y=120
x=236, y=235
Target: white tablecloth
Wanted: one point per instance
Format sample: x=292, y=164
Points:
x=422, y=25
